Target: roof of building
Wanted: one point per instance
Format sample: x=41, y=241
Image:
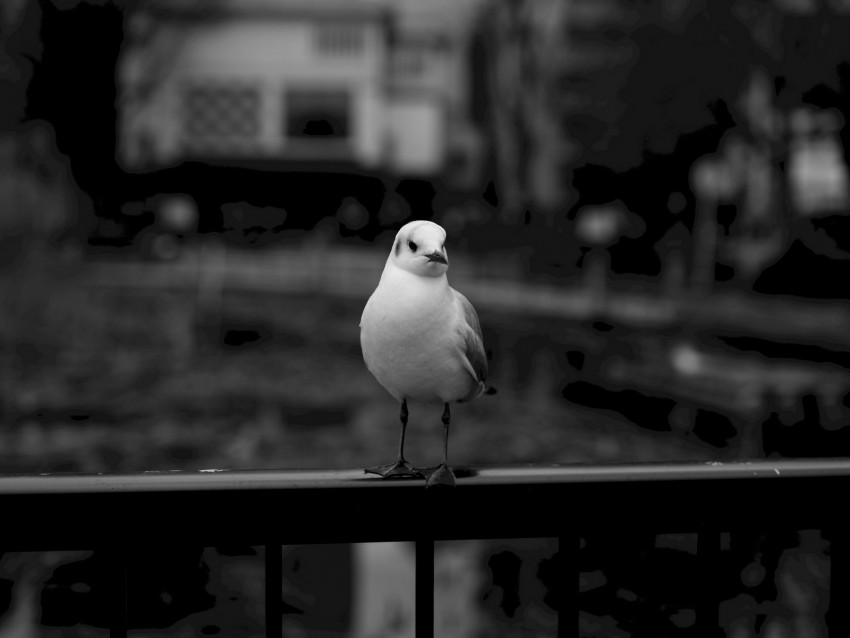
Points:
x=412, y=16
x=313, y=9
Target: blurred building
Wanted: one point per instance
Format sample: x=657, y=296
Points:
x=376, y=84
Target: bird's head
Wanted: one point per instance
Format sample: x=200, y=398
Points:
x=419, y=248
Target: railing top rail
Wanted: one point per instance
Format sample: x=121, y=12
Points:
x=332, y=506
x=317, y=479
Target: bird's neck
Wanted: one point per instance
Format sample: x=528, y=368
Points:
x=402, y=283
x=396, y=275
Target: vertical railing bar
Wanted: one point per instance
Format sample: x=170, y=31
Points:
x=569, y=546
x=117, y=576
x=709, y=585
x=837, y=616
x=424, y=580
x=274, y=590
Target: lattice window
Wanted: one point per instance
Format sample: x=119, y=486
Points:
x=340, y=39
x=221, y=115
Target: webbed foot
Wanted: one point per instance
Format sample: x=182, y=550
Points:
x=440, y=476
x=398, y=470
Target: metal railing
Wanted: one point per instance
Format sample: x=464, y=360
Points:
x=114, y=513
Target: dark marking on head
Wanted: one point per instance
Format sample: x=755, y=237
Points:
x=397, y=247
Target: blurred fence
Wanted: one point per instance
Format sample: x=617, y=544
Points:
x=220, y=330
x=494, y=284
x=119, y=515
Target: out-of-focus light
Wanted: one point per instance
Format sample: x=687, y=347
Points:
x=816, y=169
x=599, y=225
x=686, y=359
x=713, y=179
x=352, y=214
x=178, y=213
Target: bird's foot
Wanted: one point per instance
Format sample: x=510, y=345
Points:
x=440, y=476
x=397, y=470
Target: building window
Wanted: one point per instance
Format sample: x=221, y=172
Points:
x=410, y=62
x=215, y=114
x=317, y=114
x=338, y=39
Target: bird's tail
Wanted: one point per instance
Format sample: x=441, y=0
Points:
x=477, y=392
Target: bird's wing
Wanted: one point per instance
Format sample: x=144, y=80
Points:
x=472, y=343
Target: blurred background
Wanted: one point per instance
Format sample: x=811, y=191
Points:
x=646, y=200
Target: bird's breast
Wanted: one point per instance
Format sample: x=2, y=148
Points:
x=410, y=345
x=405, y=326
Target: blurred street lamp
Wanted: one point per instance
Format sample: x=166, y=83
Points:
x=178, y=214
x=352, y=214
x=714, y=182
x=599, y=227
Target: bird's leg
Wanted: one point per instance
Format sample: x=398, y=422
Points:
x=401, y=468
x=442, y=474
x=403, y=418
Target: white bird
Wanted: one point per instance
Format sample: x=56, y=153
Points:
x=421, y=339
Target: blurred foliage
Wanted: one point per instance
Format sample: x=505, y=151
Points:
x=130, y=380
x=612, y=83
x=589, y=103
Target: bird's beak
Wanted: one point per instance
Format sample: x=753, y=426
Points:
x=437, y=256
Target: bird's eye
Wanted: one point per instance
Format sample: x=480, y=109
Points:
x=412, y=246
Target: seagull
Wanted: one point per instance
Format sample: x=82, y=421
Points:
x=421, y=339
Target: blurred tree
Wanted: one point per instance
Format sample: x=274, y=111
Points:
x=569, y=86
x=153, y=40
x=73, y=87
x=20, y=49
x=589, y=102
x=522, y=47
